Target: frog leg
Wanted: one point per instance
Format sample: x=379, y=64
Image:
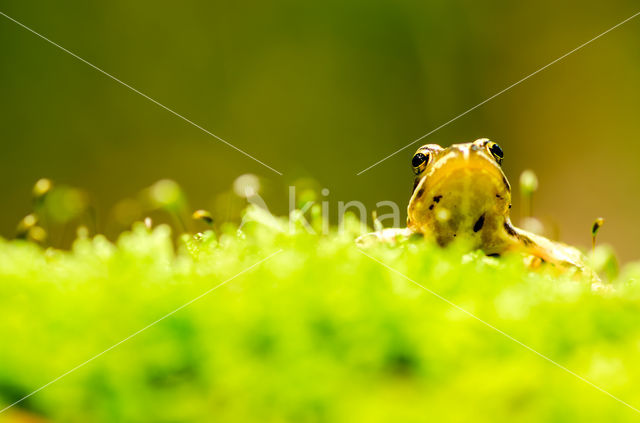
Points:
x=560, y=255
x=389, y=235
x=549, y=251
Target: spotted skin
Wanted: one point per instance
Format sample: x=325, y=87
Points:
x=461, y=192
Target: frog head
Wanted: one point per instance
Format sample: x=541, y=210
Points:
x=461, y=192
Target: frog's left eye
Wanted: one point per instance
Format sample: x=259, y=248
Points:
x=419, y=162
x=495, y=151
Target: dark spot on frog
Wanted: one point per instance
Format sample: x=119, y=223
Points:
x=509, y=205
x=479, y=223
x=431, y=207
x=498, y=196
x=506, y=183
x=493, y=255
x=510, y=230
x=415, y=184
x=420, y=193
x=526, y=241
x=437, y=198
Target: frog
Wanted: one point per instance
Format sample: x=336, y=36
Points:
x=461, y=193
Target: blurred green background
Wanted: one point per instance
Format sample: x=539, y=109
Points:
x=322, y=90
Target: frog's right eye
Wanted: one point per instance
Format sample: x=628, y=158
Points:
x=419, y=162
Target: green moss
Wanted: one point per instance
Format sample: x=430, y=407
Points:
x=319, y=332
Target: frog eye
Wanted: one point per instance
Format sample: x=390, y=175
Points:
x=419, y=162
x=496, y=151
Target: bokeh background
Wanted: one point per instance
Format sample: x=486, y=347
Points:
x=322, y=90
